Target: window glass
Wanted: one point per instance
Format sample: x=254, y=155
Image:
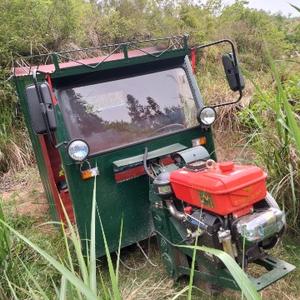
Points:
x=116, y=113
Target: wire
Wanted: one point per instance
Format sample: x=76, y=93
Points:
x=131, y=268
x=148, y=260
x=168, y=241
x=146, y=256
x=145, y=163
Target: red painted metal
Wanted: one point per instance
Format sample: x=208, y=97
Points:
x=53, y=98
x=129, y=174
x=66, y=200
x=52, y=161
x=48, y=69
x=166, y=160
x=188, y=210
x=222, y=192
x=243, y=212
x=193, y=59
x=226, y=166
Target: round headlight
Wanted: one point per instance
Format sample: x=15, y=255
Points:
x=78, y=150
x=207, y=116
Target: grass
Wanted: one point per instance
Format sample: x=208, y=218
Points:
x=72, y=274
x=147, y=283
x=268, y=124
x=15, y=148
x=4, y=239
x=272, y=123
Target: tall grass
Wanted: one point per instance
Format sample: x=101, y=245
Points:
x=15, y=148
x=247, y=288
x=273, y=131
x=80, y=278
x=4, y=240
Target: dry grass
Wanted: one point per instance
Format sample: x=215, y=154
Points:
x=216, y=91
x=15, y=153
x=23, y=195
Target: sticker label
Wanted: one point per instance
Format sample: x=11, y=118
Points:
x=206, y=199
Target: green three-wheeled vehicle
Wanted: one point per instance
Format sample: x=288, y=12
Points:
x=131, y=117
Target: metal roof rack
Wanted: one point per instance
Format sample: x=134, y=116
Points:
x=93, y=57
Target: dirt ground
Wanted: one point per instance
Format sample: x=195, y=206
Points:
x=23, y=194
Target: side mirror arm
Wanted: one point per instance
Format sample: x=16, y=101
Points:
x=236, y=69
x=199, y=47
x=232, y=102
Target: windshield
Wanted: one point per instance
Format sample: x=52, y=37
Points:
x=116, y=113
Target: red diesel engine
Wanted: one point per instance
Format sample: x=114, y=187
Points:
x=225, y=204
x=222, y=188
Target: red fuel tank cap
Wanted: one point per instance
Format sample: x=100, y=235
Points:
x=226, y=166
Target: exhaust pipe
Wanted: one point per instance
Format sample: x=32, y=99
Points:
x=174, y=212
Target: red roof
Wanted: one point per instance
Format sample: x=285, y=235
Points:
x=23, y=71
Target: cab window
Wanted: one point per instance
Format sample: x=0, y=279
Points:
x=124, y=111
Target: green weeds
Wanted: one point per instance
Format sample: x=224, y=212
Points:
x=77, y=276
x=272, y=122
x=4, y=239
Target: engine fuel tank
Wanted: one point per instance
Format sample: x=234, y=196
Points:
x=223, y=189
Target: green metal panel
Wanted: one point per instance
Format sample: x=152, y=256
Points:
x=130, y=199
x=154, y=154
x=276, y=268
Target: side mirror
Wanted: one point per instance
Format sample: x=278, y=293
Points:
x=234, y=77
x=40, y=108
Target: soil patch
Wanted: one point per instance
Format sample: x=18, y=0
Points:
x=23, y=194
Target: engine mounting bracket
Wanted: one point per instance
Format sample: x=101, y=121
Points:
x=277, y=269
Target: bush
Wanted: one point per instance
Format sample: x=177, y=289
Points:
x=38, y=26
x=270, y=132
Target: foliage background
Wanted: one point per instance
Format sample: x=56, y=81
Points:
x=38, y=26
